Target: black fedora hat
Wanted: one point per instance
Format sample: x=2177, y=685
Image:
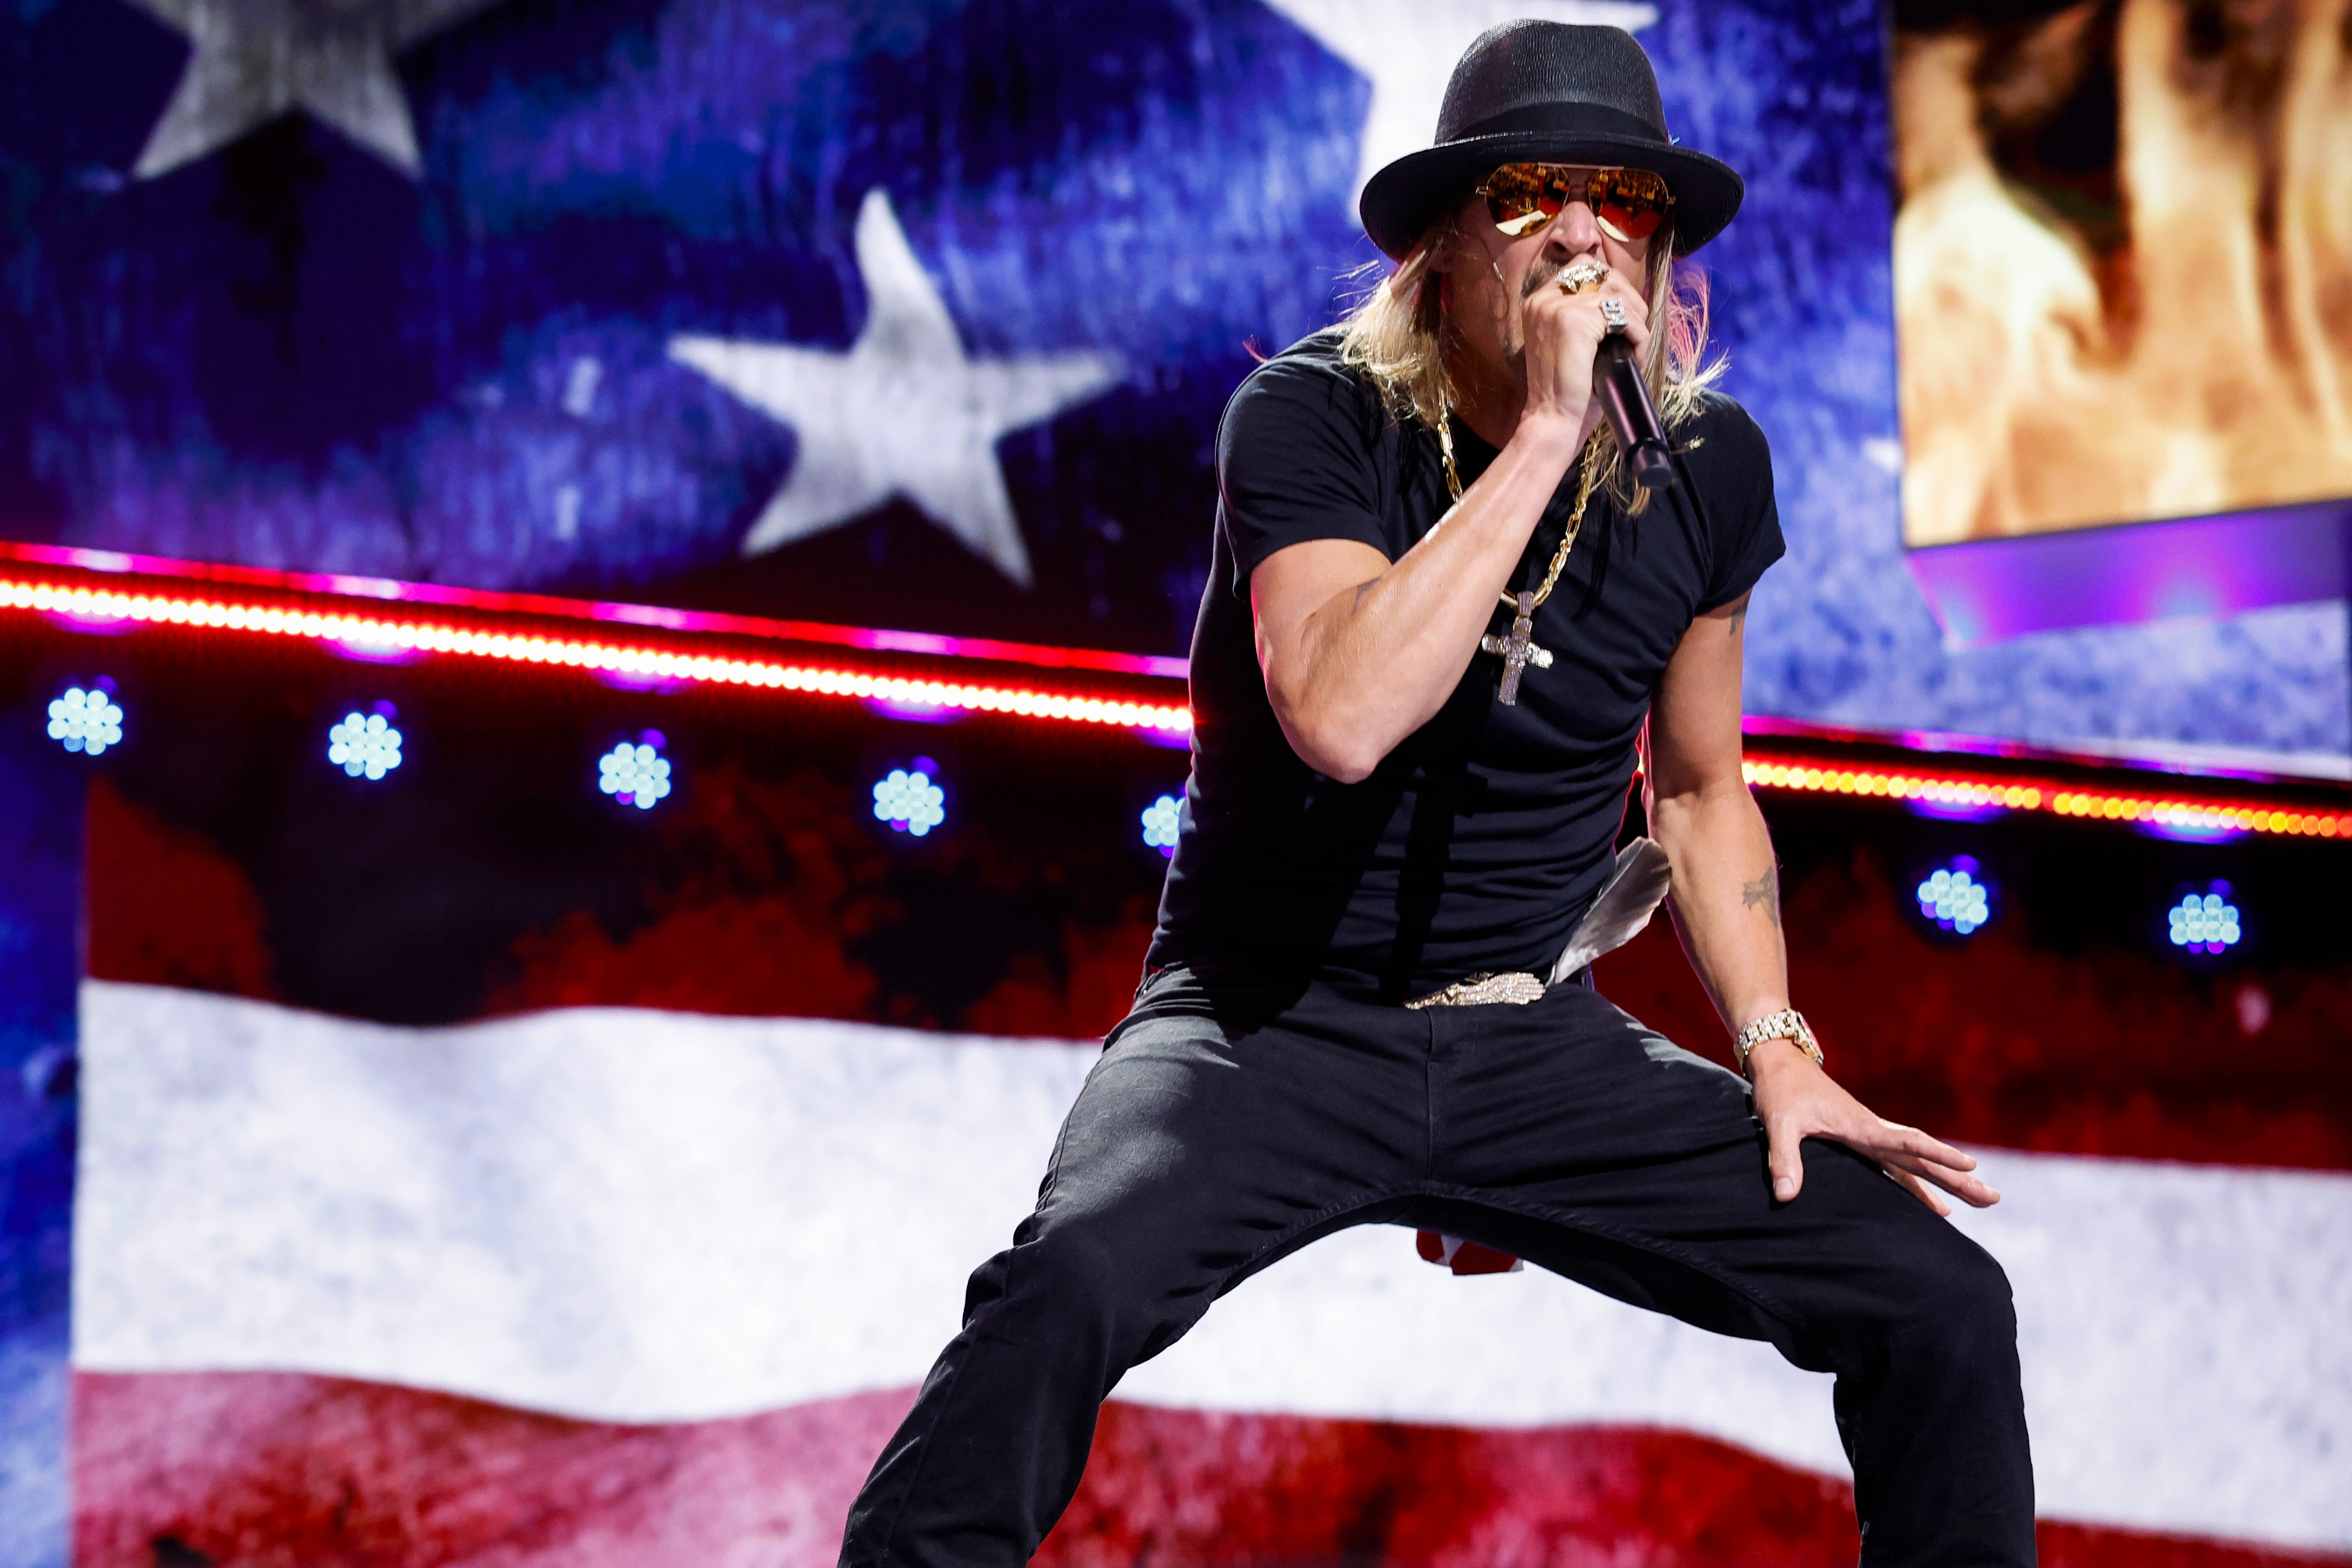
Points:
x=1548, y=92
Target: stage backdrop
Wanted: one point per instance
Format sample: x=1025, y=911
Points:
x=919, y=314
x=476, y=1170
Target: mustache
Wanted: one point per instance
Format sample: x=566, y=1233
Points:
x=1543, y=269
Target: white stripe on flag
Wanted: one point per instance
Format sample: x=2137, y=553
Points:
x=641, y=1216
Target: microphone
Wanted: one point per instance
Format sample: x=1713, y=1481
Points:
x=1626, y=398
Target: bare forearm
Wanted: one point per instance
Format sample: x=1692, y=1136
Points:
x=1727, y=904
x=1376, y=660
x=1726, y=897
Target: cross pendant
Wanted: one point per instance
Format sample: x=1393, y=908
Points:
x=1519, y=651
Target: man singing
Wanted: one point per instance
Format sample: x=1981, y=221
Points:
x=1441, y=616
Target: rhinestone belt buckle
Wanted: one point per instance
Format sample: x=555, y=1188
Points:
x=1516, y=988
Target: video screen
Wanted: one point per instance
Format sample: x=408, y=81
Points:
x=2123, y=261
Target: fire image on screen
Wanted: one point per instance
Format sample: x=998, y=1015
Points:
x=2123, y=260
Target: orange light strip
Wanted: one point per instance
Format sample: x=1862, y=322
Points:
x=392, y=635
x=2064, y=800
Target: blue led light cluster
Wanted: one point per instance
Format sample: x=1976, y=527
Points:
x=1956, y=896
x=2204, y=922
x=908, y=800
x=1160, y=825
x=635, y=773
x=85, y=719
x=365, y=744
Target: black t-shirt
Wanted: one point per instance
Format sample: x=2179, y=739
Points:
x=1477, y=843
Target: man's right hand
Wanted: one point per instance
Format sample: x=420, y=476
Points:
x=1563, y=333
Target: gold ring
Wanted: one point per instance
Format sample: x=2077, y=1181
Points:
x=1583, y=275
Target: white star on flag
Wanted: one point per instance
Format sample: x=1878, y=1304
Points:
x=252, y=60
x=1409, y=47
x=904, y=413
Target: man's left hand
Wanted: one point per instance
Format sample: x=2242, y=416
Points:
x=1796, y=1100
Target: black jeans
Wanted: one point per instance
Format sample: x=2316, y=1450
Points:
x=1223, y=1129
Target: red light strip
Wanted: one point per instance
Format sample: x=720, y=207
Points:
x=2064, y=800
x=427, y=597
x=399, y=636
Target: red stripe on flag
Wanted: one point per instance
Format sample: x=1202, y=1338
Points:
x=284, y=1468
x=281, y=1468
x=2113, y=1051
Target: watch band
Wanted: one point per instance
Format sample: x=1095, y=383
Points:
x=1786, y=1024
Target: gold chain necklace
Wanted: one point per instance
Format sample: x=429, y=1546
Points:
x=1575, y=519
x=1520, y=649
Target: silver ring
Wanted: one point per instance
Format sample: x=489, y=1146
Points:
x=1613, y=313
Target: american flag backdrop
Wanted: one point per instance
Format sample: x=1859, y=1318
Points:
x=476, y=1169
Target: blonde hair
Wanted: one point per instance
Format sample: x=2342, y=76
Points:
x=1398, y=335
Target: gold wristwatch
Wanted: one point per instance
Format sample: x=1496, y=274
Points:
x=1786, y=1024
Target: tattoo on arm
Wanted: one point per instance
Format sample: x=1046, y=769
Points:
x=1764, y=891
x=1738, y=614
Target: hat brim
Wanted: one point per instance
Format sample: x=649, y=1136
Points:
x=1402, y=201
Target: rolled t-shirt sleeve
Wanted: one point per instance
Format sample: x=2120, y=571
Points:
x=1745, y=519
x=1294, y=462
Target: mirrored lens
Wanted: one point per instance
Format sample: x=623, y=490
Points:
x=1630, y=204
x=1523, y=197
